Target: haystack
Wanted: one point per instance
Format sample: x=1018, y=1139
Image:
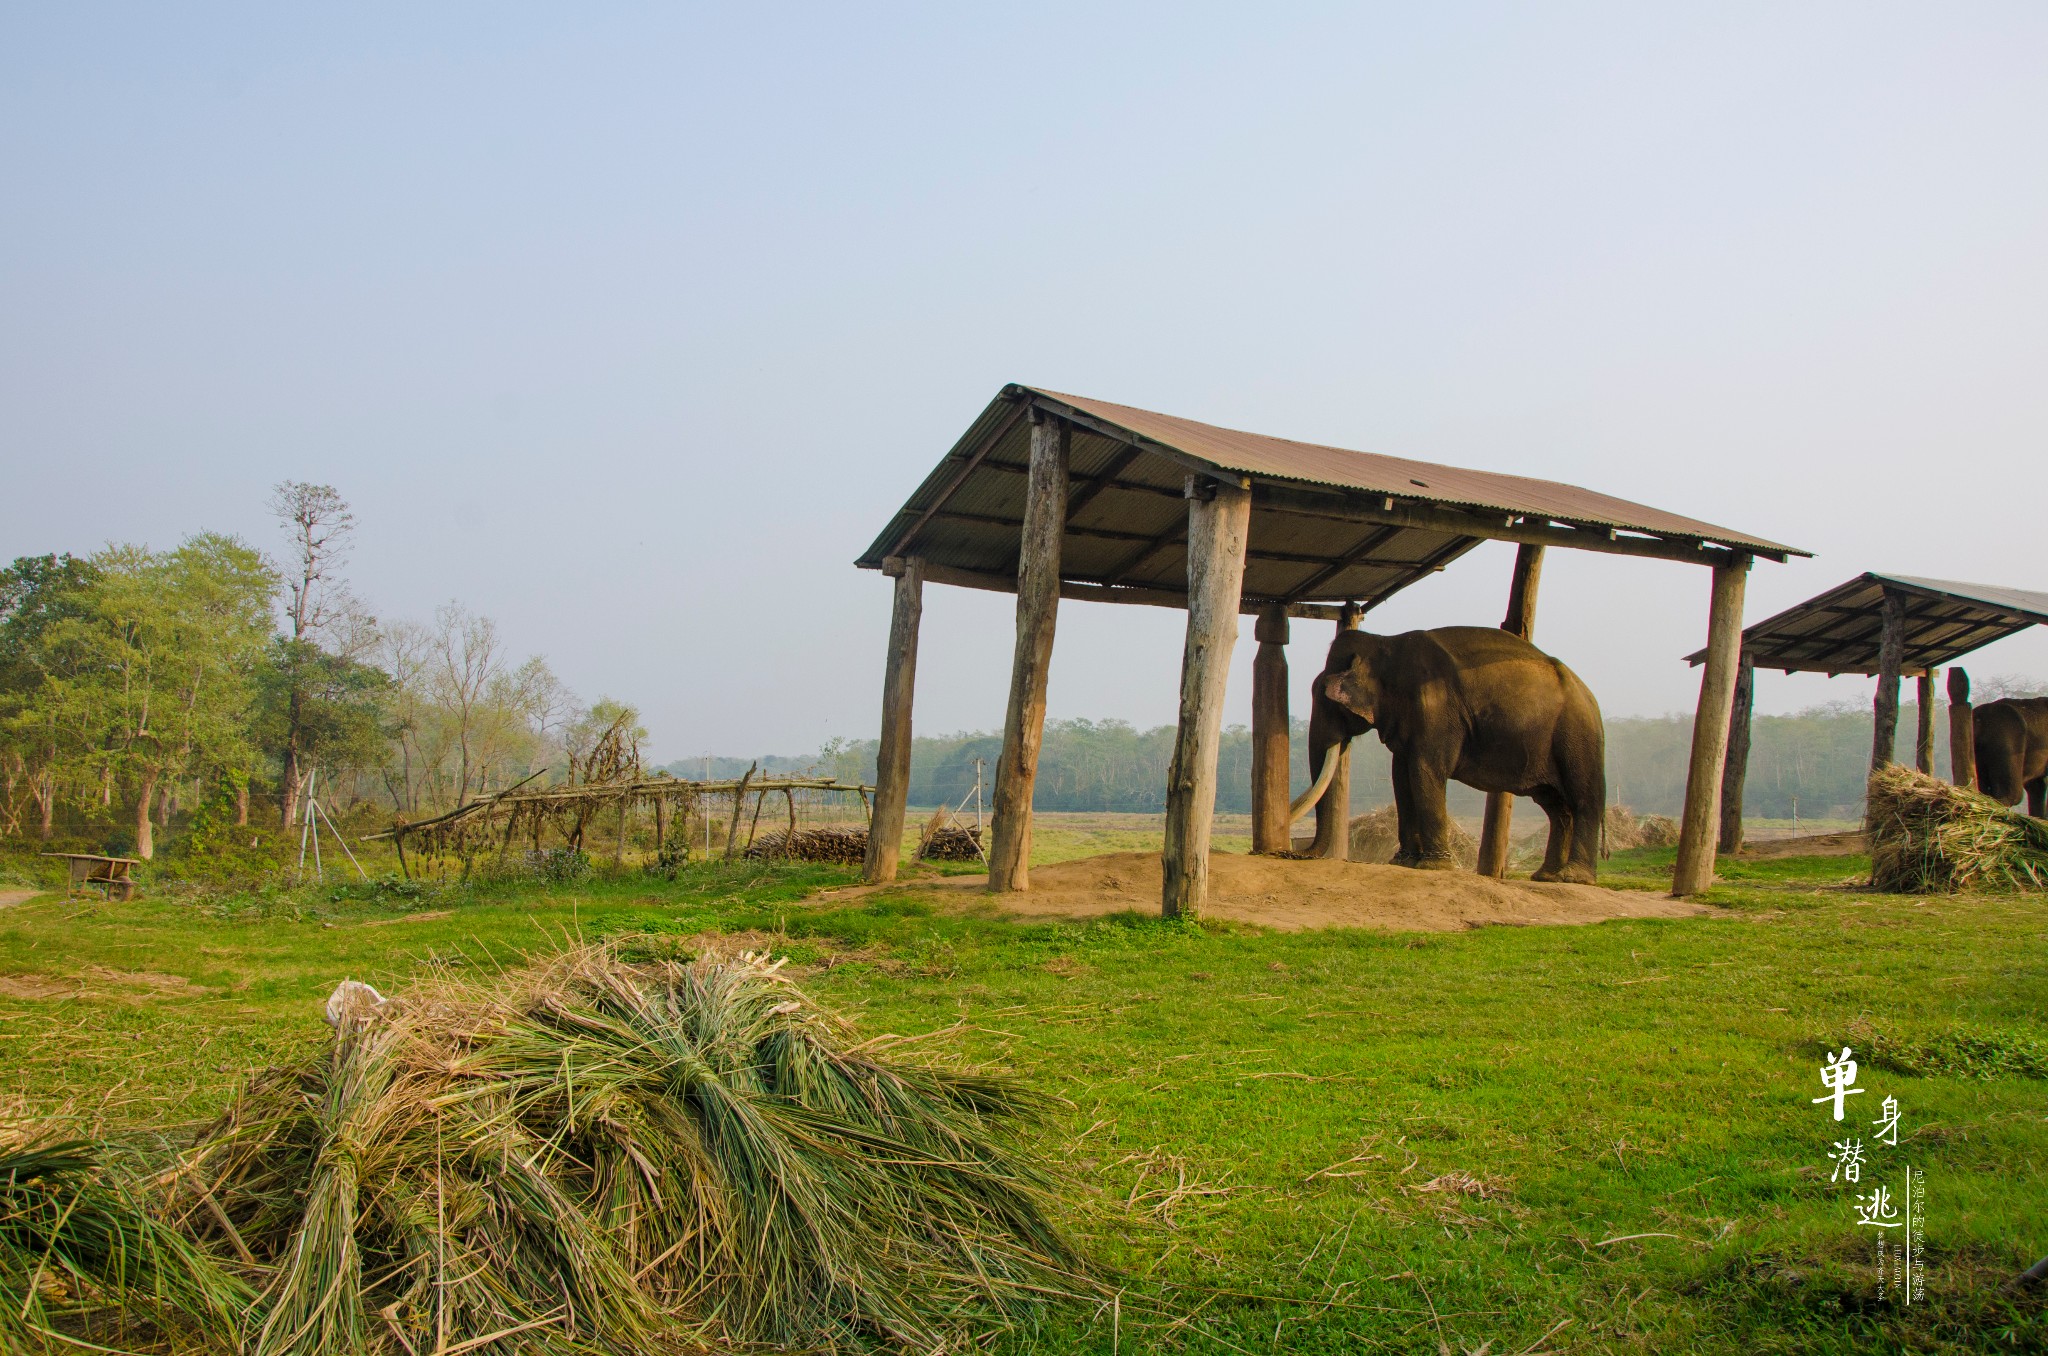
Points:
x=621, y=1152
x=1626, y=829
x=1376, y=837
x=1929, y=837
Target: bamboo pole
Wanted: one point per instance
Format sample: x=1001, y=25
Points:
x=1038, y=601
x=1271, y=735
x=892, y=759
x=1700, y=827
x=1219, y=521
x=1891, y=657
x=1520, y=621
x=1962, y=730
x=1735, y=773
x=1923, y=742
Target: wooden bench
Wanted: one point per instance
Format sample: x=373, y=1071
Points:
x=109, y=873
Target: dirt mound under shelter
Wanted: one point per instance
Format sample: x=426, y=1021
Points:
x=1292, y=895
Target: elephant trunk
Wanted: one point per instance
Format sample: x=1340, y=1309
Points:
x=1324, y=776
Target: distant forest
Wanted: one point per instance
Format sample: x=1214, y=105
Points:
x=1812, y=762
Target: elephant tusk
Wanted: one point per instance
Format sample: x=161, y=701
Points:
x=1322, y=784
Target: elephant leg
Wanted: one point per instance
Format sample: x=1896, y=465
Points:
x=1404, y=820
x=1560, y=815
x=1429, y=811
x=2037, y=792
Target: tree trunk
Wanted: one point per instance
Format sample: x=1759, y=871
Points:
x=1891, y=657
x=1962, y=731
x=1923, y=744
x=145, y=838
x=1735, y=773
x=1271, y=733
x=241, y=802
x=1520, y=621
x=1700, y=829
x=1038, y=601
x=1219, y=520
x=892, y=758
x=288, y=792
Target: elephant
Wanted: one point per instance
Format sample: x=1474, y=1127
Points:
x=2012, y=750
x=1470, y=702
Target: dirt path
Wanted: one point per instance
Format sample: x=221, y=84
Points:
x=10, y=898
x=1812, y=845
x=1293, y=895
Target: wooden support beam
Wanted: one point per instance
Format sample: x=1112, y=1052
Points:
x=1219, y=521
x=1891, y=655
x=1271, y=735
x=1923, y=742
x=1501, y=526
x=1735, y=773
x=1962, y=730
x=1700, y=828
x=1038, y=602
x=892, y=759
x=1084, y=591
x=1521, y=621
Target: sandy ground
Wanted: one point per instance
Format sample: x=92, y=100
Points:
x=1293, y=895
x=1812, y=845
x=10, y=898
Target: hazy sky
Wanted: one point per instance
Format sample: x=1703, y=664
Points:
x=630, y=327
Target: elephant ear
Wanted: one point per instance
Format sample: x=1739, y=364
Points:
x=1354, y=691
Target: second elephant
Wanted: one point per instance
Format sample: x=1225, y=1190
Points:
x=1473, y=704
x=2012, y=750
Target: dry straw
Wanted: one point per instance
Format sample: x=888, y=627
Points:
x=621, y=1152
x=1929, y=837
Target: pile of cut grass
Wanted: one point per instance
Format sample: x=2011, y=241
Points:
x=1930, y=837
x=80, y=1254
x=621, y=1152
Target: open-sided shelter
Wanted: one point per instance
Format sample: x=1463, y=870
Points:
x=1887, y=626
x=1053, y=496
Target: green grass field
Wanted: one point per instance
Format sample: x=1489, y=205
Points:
x=1504, y=1140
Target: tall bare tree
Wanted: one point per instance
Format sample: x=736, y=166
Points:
x=466, y=667
x=319, y=524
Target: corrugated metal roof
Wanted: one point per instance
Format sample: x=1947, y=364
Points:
x=1841, y=630
x=1356, y=527
x=1257, y=454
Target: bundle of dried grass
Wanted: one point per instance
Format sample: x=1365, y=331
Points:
x=811, y=845
x=616, y=1152
x=83, y=1264
x=1376, y=837
x=1927, y=836
x=1621, y=829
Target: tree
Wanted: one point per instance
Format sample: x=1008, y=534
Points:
x=154, y=676
x=35, y=593
x=465, y=665
x=320, y=525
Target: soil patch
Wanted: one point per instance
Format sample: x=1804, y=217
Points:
x=35, y=986
x=1294, y=895
x=1811, y=845
x=10, y=898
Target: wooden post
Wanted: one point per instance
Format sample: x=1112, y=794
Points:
x=1038, y=602
x=1700, y=828
x=1736, y=771
x=1219, y=520
x=1923, y=743
x=1333, y=812
x=1271, y=735
x=1521, y=621
x=892, y=759
x=660, y=824
x=1962, y=731
x=1891, y=657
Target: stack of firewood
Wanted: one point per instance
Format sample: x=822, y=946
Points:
x=950, y=843
x=811, y=845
